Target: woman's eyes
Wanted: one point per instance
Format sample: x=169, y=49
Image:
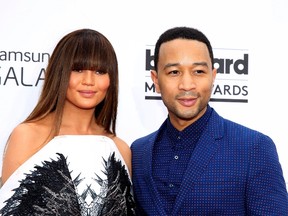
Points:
x=79, y=71
x=100, y=72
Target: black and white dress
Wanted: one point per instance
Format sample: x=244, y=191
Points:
x=71, y=175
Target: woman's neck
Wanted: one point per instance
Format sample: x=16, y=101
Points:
x=79, y=121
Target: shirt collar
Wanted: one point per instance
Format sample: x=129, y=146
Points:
x=192, y=132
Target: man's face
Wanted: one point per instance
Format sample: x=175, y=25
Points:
x=185, y=80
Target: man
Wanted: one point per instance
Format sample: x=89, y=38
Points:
x=199, y=163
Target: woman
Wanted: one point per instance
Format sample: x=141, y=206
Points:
x=66, y=154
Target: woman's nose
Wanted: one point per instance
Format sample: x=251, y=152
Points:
x=88, y=78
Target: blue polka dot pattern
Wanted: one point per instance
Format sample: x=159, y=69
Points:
x=221, y=169
x=168, y=171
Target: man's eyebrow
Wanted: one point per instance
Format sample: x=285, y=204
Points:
x=170, y=65
x=177, y=64
x=201, y=64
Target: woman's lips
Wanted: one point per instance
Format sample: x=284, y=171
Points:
x=87, y=93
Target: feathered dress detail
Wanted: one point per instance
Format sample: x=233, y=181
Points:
x=58, y=186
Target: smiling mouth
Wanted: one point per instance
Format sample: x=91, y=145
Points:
x=87, y=94
x=187, y=102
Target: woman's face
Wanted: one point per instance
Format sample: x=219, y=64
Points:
x=87, y=88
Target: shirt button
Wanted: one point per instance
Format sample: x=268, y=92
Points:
x=178, y=137
x=171, y=185
x=176, y=157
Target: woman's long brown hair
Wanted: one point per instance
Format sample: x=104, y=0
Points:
x=78, y=50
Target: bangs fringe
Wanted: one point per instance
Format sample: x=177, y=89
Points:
x=88, y=57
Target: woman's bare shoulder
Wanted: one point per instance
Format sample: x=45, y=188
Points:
x=124, y=149
x=26, y=134
x=23, y=142
x=120, y=142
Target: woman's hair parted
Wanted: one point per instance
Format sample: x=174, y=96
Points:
x=83, y=49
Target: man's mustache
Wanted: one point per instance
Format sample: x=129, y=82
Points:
x=187, y=93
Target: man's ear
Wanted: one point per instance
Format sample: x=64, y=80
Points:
x=154, y=77
x=214, y=74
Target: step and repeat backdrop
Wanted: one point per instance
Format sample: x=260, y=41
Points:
x=249, y=40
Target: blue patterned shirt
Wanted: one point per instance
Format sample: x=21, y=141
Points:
x=171, y=154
